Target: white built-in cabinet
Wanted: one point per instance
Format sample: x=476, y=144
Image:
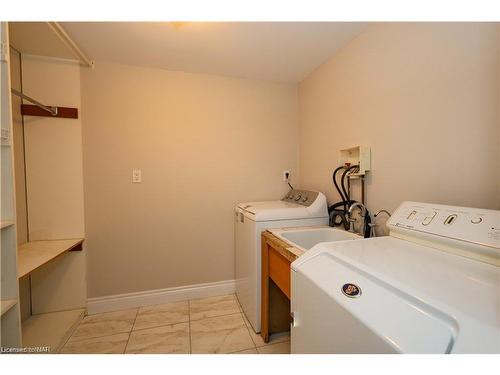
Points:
x=50, y=263
x=10, y=323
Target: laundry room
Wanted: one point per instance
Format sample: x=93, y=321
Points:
x=249, y=186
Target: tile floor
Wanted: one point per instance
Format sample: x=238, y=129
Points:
x=209, y=325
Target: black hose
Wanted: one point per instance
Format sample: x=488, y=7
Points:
x=342, y=181
x=367, y=220
x=338, y=215
x=334, y=177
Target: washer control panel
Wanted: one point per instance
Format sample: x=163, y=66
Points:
x=474, y=225
x=302, y=197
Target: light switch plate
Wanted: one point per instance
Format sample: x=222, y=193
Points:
x=136, y=176
x=3, y=52
x=5, y=136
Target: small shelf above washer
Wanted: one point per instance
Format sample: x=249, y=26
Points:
x=357, y=155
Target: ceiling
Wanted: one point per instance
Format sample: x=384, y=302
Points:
x=37, y=38
x=272, y=51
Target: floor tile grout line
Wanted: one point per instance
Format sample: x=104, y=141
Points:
x=248, y=330
x=131, y=330
x=215, y=316
x=240, y=314
x=159, y=326
x=70, y=336
x=83, y=338
x=189, y=321
x=234, y=299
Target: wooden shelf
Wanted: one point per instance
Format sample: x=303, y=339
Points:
x=34, y=254
x=6, y=223
x=51, y=329
x=7, y=304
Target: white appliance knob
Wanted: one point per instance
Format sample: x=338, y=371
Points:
x=305, y=199
x=297, y=198
x=476, y=220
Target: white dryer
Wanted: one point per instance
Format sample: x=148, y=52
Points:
x=431, y=286
x=297, y=208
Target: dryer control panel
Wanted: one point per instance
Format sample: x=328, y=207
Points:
x=302, y=197
x=474, y=225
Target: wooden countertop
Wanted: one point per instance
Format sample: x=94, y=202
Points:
x=284, y=248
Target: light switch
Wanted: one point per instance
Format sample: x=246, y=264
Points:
x=5, y=136
x=136, y=176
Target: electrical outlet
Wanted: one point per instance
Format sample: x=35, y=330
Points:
x=136, y=176
x=286, y=175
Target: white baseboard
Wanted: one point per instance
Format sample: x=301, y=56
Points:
x=157, y=296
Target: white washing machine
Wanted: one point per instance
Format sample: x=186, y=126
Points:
x=297, y=208
x=431, y=286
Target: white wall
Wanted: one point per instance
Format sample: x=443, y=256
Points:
x=203, y=143
x=425, y=98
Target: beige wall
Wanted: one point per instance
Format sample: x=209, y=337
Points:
x=425, y=98
x=203, y=144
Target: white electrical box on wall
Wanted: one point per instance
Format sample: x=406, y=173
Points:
x=357, y=155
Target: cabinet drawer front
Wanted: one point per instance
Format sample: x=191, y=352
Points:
x=279, y=271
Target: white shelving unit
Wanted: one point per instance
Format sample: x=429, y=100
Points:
x=10, y=328
x=49, y=329
x=50, y=267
